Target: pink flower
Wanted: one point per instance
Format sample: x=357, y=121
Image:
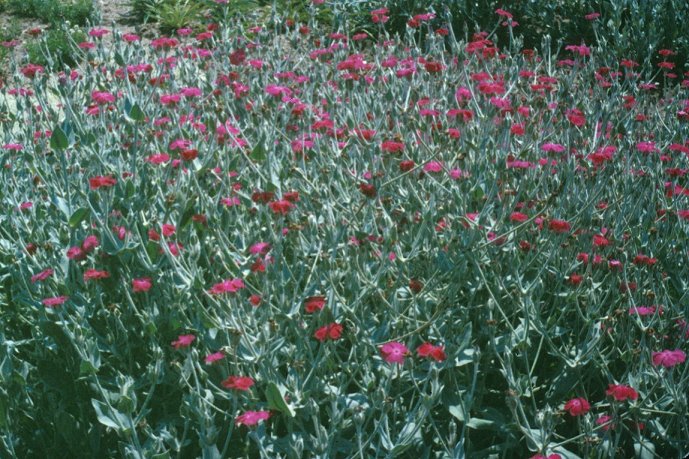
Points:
x=238, y=383
x=183, y=341
x=143, y=284
x=158, y=158
x=90, y=243
x=553, y=147
x=251, y=418
x=621, y=392
x=259, y=248
x=168, y=230
x=275, y=90
x=98, y=32
x=436, y=353
x=605, y=419
x=577, y=406
x=668, y=358
x=214, y=357
x=43, y=275
x=95, y=274
x=102, y=97
x=433, y=166
x=391, y=146
x=227, y=286
x=75, y=253
x=54, y=301
x=394, y=352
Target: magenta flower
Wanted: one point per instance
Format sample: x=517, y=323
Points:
x=251, y=418
x=394, y=352
x=54, y=301
x=668, y=358
x=183, y=341
x=214, y=357
x=143, y=284
x=577, y=406
x=242, y=383
x=43, y=275
x=227, y=286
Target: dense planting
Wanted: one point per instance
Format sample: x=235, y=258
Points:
x=312, y=244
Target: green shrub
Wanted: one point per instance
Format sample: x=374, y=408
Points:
x=56, y=49
x=76, y=12
x=177, y=14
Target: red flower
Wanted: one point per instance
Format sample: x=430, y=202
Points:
x=251, y=418
x=621, y=392
x=368, y=190
x=577, y=406
x=436, y=353
x=183, y=341
x=407, y=165
x=434, y=67
x=314, y=303
x=415, y=286
x=281, y=207
x=518, y=217
x=190, y=154
x=559, y=226
x=392, y=146
x=331, y=331
x=238, y=382
x=575, y=279
x=143, y=284
x=101, y=181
